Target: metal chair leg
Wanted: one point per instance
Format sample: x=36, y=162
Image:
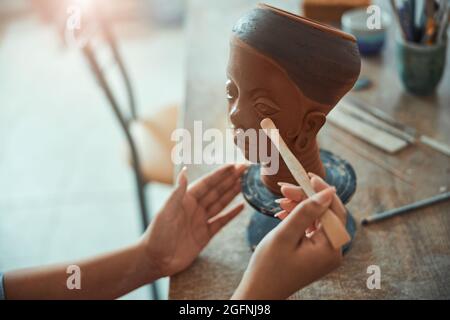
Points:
x=124, y=124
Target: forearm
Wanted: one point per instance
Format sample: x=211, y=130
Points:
x=108, y=276
x=244, y=292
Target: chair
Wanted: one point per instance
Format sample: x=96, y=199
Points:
x=154, y=146
x=148, y=141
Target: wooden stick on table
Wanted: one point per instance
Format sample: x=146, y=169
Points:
x=333, y=227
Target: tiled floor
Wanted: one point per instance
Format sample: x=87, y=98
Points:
x=65, y=189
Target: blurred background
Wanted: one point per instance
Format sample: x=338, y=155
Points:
x=66, y=189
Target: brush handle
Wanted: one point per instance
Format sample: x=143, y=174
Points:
x=406, y=209
x=333, y=227
x=397, y=17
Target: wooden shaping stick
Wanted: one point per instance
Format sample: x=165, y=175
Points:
x=333, y=227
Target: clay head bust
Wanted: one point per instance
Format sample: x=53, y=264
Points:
x=292, y=70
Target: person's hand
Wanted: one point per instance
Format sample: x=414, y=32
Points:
x=297, y=252
x=190, y=218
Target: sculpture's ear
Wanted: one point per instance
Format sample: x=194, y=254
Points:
x=312, y=123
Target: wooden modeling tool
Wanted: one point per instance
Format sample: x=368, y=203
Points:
x=333, y=227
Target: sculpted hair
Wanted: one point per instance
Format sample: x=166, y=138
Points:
x=322, y=61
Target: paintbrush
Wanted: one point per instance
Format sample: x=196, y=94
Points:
x=430, y=26
x=443, y=21
x=333, y=227
x=399, y=21
x=405, y=209
x=407, y=18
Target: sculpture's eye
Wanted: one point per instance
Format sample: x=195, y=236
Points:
x=232, y=90
x=266, y=107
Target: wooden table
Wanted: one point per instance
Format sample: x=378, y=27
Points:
x=413, y=251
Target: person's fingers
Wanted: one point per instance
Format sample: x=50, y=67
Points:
x=322, y=244
x=318, y=242
x=281, y=215
x=241, y=167
x=216, y=179
x=295, y=193
x=285, y=184
x=336, y=205
x=218, y=222
x=224, y=200
x=202, y=186
x=320, y=183
x=310, y=231
x=306, y=213
x=319, y=237
x=181, y=188
x=287, y=204
x=216, y=192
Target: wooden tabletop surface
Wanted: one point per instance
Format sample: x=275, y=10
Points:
x=412, y=251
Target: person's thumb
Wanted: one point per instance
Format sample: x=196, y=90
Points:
x=182, y=184
x=307, y=212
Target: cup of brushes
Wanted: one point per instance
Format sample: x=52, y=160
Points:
x=421, y=44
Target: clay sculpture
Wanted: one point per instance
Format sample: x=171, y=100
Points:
x=292, y=70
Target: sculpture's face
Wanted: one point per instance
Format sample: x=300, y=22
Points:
x=293, y=71
x=258, y=88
